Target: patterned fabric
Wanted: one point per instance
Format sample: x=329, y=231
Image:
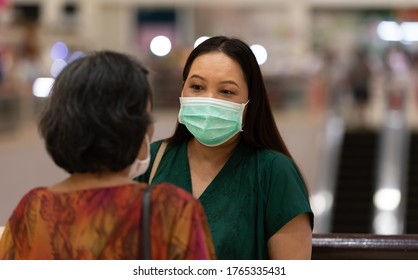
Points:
x=105, y=223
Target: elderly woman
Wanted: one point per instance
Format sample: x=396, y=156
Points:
x=97, y=126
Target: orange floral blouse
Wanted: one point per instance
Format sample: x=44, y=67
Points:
x=105, y=223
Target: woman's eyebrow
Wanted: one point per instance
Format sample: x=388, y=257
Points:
x=197, y=76
x=230, y=82
x=222, y=82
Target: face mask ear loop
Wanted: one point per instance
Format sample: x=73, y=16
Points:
x=243, y=120
x=139, y=166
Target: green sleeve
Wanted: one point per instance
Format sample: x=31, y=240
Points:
x=286, y=195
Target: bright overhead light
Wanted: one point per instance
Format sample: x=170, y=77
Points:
x=322, y=202
x=410, y=31
x=200, y=40
x=392, y=31
x=59, y=51
x=42, y=87
x=387, y=199
x=389, y=31
x=57, y=66
x=260, y=53
x=160, y=46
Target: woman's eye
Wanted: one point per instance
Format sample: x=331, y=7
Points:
x=225, y=91
x=196, y=87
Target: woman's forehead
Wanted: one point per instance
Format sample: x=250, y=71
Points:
x=216, y=64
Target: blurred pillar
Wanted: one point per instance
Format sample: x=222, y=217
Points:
x=324, y=192
x=51, y=13
x=186, y=26
x=90, y=25
x=390, y=192
x=301, y=23
x=107, y=25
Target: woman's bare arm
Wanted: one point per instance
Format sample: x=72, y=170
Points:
x=293, y=241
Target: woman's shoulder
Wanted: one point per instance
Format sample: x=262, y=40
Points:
x=264, y=159
x=28, y=201
x=170, y=145
x=157, y=143
x=155, y=146
x=33, y=194
x=278, y=167
x=269, y=156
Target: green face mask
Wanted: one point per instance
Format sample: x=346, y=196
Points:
x=211, y=121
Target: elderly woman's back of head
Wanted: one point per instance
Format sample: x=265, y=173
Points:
x=96, y=117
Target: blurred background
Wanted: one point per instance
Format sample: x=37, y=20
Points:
x=342, y=77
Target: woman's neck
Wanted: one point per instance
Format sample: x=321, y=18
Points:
x=85, y=181
x=219, y=154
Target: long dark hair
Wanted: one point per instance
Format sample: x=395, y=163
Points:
x=260, y=128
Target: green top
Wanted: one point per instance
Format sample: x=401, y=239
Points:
x=252, y=197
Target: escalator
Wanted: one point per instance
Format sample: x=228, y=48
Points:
x=369, y=179
x=411, y=223
x=355, y=182
x=372, y=185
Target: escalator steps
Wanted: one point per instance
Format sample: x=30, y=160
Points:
x=355, y=183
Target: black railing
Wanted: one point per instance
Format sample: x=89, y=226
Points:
x=364, y=247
